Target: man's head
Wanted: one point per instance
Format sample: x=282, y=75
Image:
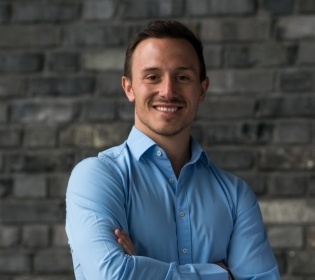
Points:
x=165, y=29
x=165, y=78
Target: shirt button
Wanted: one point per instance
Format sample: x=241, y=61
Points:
x=159, y=153
x=171, y=181
x=184, y=250
x=182, y=213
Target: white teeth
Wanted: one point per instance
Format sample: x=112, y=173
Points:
x=166, y=109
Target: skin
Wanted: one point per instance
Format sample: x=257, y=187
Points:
x=166, y=90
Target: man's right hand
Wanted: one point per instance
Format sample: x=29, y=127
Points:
x=126, y=243
x=226, y=268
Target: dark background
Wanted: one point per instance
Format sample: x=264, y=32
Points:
x=61, y=101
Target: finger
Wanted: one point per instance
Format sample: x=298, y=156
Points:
x=124, y=240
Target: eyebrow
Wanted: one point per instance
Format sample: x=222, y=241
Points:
x=182, y=68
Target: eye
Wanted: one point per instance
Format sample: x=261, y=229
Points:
x=182, y=77
x=151, y=78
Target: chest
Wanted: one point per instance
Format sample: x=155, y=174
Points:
x=185, y=220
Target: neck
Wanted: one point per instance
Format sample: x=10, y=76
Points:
x=177, y=148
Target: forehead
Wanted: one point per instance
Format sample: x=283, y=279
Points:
x=164, y=51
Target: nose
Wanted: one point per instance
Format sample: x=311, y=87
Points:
x=167, y=90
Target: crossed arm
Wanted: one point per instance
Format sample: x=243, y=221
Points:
x=126, y=243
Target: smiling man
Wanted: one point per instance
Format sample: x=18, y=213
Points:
x=155, y=207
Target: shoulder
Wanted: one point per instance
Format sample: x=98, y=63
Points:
x=235, y=187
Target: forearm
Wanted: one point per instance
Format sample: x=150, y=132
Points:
x=129, y=249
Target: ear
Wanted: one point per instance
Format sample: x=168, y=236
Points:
x=127, y=86
x=204, y=87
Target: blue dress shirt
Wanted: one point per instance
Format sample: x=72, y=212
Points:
x=180, y=226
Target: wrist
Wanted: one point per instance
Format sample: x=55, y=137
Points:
x=227, y=269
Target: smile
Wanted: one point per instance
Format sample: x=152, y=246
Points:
x=167, y=109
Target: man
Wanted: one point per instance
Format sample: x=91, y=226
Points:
x=156, y=207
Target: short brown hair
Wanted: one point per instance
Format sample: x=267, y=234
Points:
x=165, y=29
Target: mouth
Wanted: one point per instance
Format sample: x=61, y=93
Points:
x=167, y=109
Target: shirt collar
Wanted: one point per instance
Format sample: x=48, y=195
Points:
x=139, y=143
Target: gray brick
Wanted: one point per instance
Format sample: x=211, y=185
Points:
x=289, y=158
x=241, y=81
x=12, y=87
x=257, y=55
x=60, y=258
x=10, y=137
x=301, y=262
x=6, y=185
x=57, y=185
x=310, y=236
x=109, y=59
x=153, y=9
x=306, y=6
x=18, y=63
x=242, y=30
x=286, y=237
x=47, y=161
x=258, y=183
x=59, y=236
x=42, y=112
x=126, y=110
x=296, y=81
x=213, y=56
x=109, y=83
x=302, y=106
x=4, y=13
x=311, y=185
x=65, y=86
x=279, y=6
x=47, y=277
x=220, y=7
x=231, y=159
x=29, y=36
x=292, y=132
x=99, y=10
x=229, y=133
x=306, y=53
x=15, y=262
x=39, y=136
x=3, y=112
x=98, y=136
x=35, y=236
x=296, y=28
x=288, y=185
x=30, y=186
x=98, y=110
x=64, y=61
x=95, y=35
x=238, y=56
x=43, y=12
x=36, y=211
x=281, y=260
x=221, y=109
x=283, y=211
x=10, y=236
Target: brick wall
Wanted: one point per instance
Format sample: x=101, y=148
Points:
x=61, y=101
